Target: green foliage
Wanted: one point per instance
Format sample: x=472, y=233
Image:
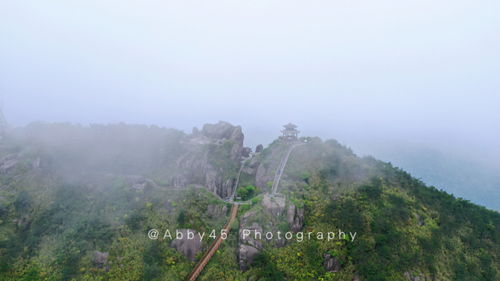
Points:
x=267, y=269
x=50, y=230
x=246, y=192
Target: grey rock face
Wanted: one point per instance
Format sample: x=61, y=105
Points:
x=226, y=131
x=100, y=258
x=216, y=210
x=275, y=205
x=415, y=277
x=290, y=213
x=246, y=254
x=221, y=130
x=246, y=151
x=188, y=247
x=211, y=157
x=331, y=263
x=263, y=175
x=249, y=247
x=8, y=163
x=272, y=205
x=266, y=169
x=259, y=148
x=420, y=219
x=251, y=166
x=295, y=217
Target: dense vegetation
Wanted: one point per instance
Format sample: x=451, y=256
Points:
x=246, y=192
x=403, y=227
x=55, y=218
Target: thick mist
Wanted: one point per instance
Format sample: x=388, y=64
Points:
x=384, y=78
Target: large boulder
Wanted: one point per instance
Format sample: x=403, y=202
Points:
x=222, y=130
x=246, y=254
x=295, y=217
x=259, y=148
x=100, y=258
x=225, y=131
x=331, y=263
x=274, y=204
x=211, y=157
x=249, y=247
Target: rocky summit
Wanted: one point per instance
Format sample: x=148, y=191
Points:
x=93, y=203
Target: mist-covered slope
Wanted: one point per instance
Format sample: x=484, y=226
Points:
x=464, y=177
x=78, y=202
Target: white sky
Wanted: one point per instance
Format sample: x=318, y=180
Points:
x=359, y=71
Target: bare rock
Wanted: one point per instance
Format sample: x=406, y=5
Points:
x=221, y=130
x=420, y=220
x=246, y=151
x=250, y=239
x=216, y=210
x=210, y=156
x=290, y=214
x=331, y=263
x=100, y=258
x=415, y=277
x=188, y=247
x=8, y=162
x=274, y=204
x=249, y=247
x=251, y=166
x=259, y=148
x=263, y=175
x=295, y=217
x=246, y=254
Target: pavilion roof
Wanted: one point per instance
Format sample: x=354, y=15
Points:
x=290, y=126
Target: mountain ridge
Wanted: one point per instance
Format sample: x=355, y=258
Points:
x=97, y=191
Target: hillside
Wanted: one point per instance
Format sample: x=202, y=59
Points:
x=77, y=203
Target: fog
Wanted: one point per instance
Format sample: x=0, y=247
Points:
x=373, y=75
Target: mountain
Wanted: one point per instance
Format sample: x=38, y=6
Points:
x=78, y=203
x=472, y=179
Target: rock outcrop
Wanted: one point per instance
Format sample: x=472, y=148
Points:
x=274, y=204
x=274, y=207
x=188, y=247
x=268, y=163
x=415, y=277
x=224, y=131
x=295, y=217
x=100, y=258
x=8, y=162
x=216, y=210
x=259, y=148
x=331, y=263
x=212, y=158
x=246, y=254
x=248, y=246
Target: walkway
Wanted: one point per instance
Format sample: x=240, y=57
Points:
x=213, y=248
x=281, y=167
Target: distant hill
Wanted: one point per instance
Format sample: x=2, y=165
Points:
x=471, y=180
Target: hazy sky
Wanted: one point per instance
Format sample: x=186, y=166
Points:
x=359, y=71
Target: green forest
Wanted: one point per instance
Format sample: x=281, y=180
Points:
x=76, y=203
